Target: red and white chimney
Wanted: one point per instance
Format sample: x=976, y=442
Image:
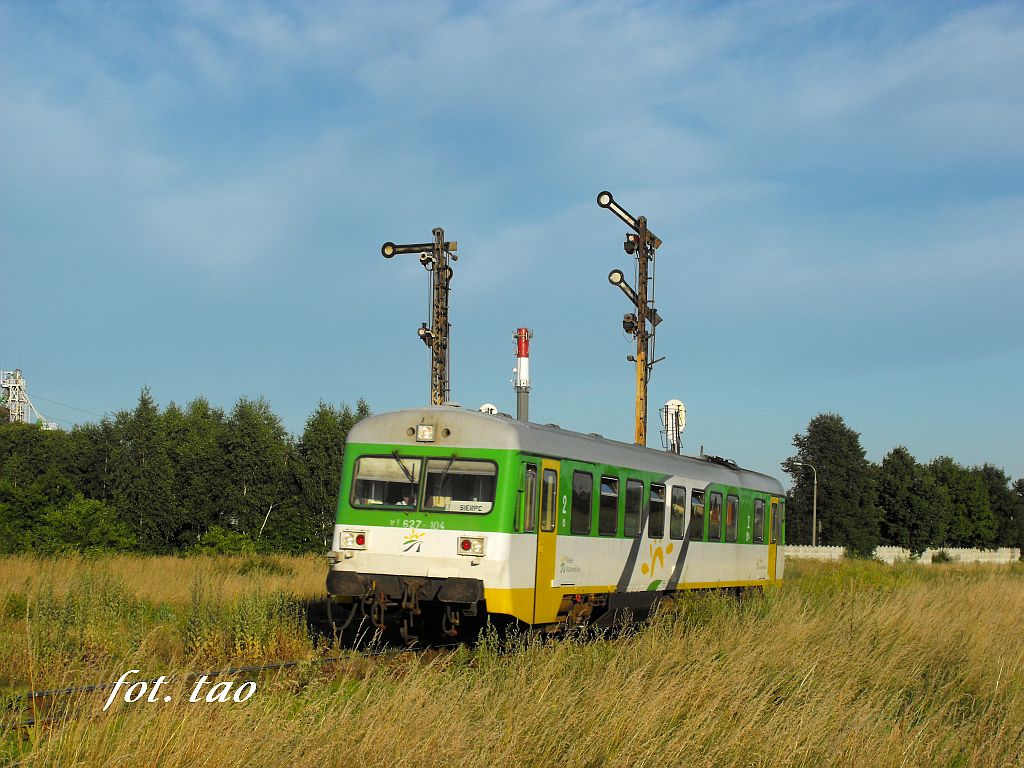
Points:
x=522, y=371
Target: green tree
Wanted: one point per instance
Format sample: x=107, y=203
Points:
x=847, y=515
x=972, y=522
x=21, y=511
x=195, y=438
x=257, y=452
x=320, y=451
x=142, y=476
x=1002, y=503
x=915, y=509
x=86, y=460
x=27, y=450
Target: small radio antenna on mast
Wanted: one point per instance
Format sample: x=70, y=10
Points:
x=643, y=244
x=435, y=258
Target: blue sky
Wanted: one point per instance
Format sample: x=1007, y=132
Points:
x=193, y=197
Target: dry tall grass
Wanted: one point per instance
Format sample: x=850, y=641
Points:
x=855, y=664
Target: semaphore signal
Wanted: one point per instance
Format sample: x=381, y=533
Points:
x=643, y=244
x=435, y=258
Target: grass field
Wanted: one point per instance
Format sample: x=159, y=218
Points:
x=852, y=663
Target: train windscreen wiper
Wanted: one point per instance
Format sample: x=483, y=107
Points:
x=405, y=470
x=444, y=472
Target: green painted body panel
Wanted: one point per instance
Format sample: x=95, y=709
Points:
x=503, y=517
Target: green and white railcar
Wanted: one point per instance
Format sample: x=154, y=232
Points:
x=446, y=513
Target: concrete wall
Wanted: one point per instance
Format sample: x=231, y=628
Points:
x=892, y=554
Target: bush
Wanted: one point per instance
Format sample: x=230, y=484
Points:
x=942, y=556
x=221, y=541
x=85, y=525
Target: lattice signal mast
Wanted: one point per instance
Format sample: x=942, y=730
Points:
x=435, y=258
x=643, y=244
x=15, y=405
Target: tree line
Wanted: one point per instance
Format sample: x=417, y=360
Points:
x=900, y=502
x=197, y=478
x=192, y=478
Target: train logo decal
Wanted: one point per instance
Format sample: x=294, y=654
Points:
x=656, y=559
x=413, y=540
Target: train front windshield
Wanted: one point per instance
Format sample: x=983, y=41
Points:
x=452, y=484
x=390, y=481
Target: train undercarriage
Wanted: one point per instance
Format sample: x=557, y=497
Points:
x=420, y=609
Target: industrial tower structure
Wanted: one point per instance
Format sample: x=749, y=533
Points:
x=15, y=405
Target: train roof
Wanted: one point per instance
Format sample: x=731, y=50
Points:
x=473, y=429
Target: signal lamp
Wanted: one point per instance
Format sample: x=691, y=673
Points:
x=471, y=546
x=604, y=199
x=388, y=250
x=615, y=277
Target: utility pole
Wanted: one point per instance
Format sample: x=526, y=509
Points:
x=642, y=244
x=435, y=258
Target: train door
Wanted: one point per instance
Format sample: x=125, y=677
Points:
x=546, y=597
x=773, y=536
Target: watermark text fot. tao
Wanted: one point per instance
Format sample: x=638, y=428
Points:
x=154, y=692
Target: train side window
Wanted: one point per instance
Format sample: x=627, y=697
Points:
x=549, y=501
x=759, y=521
x=656, y=518
x=715, y=517
x=634, y=504
x=775, y=522
x=732, y=516
x=582, y=498
x=677, y=518
x=696, y=515
x=608, y=513
x=529, y=516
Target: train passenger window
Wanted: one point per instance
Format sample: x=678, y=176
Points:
x=634, y=505
x=582, y=496
x=656, y=519
x=715, y=517
x=759, y=521
x=386, y=481
x=677, y=517
x=608, y=513
x=549, y=500
x=776, y=522
x=732, y=516
x=530, y=498
x=697, y=515
x=460, y=485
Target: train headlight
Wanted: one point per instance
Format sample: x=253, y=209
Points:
x=472, y=546
x=352, y=540
x=425, y=433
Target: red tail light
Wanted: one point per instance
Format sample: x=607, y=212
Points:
x=360, y=539
x=465, y=545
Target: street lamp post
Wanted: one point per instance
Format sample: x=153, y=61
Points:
x=814, y=504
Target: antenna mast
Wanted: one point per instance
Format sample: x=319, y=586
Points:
x=643, y=244
x=435, y=258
